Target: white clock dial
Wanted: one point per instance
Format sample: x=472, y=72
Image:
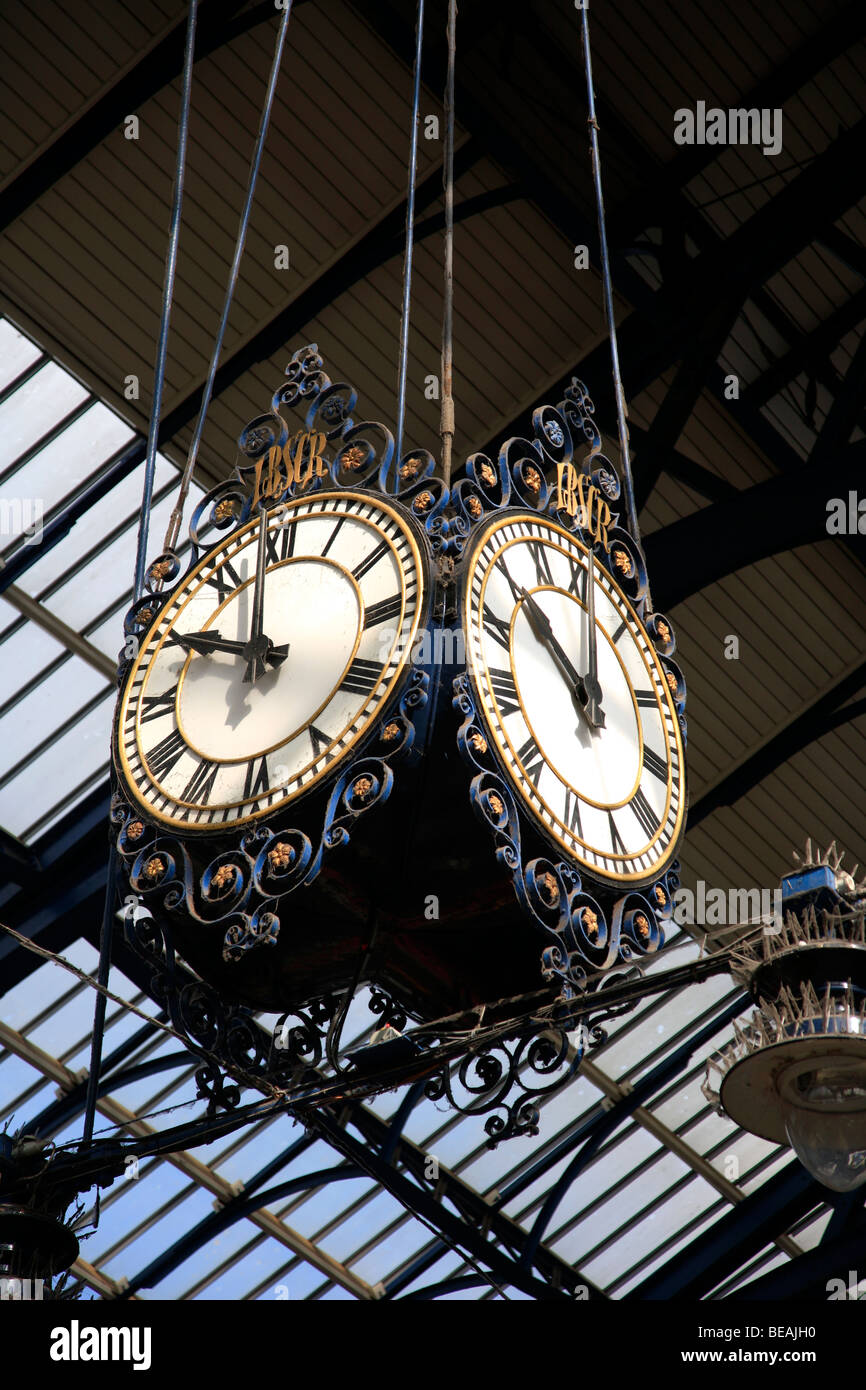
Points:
x=612, y=794
x=202, y=743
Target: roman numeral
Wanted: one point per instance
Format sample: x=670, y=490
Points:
x=645, y=697
x=370, y=560
x=319, y=740
x=383, y=610
x=620, y=630
x=526, y=754
x=155, y=706
x=362, y=676
x=616, y=844
x=497, y=627
x=256, y=781
x=163, y=756
x=654, y=764
x=333, y=536
x=200, y=785
x=503, y=570
x=647, y=819
x=578, y=583
x=225, y=579
x=571, y=814
x=539, y=557
x=281, y=543
x=502, y=684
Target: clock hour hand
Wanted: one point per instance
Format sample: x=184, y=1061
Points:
x=589, y=694
x=540, y=624
x=210, y=641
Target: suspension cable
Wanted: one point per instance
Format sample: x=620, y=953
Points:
x=410, y=237
x=106, y=932
x=621, y=408
x=176, y=518
x=167, y=297
x=446, y=429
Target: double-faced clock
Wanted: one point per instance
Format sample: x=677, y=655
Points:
x=296, y=805
x=574, y=699
x=270, y=662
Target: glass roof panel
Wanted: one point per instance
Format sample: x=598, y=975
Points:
x=17, y=352
x=43, y=782
x=68, y=460
x=85, y=580
x=32, y=410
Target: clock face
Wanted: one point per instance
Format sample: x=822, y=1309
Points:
x=212, y=732
x=612, y=792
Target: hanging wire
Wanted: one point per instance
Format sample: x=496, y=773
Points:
x=167, y=297
x=127, y=1005
x=410, y=237
x=105, y=937
x=621, y=409
x=176, y=518
x=446, y=428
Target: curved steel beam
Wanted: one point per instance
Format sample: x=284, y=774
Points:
x=813, y=723
x=741, y=1233
x=776, y=515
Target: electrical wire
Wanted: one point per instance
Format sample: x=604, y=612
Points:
x=257, y=1082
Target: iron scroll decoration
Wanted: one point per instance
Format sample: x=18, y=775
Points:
x=244, y=888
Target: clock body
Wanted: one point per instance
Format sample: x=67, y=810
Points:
x=406, y=791
x=610, y=799
x=201, y=749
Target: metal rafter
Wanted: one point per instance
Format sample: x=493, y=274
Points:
x=808, y=351
x=808, y=1275
x=843, y=413
x=191, y=1166
x=159, y=66
x=652, y=335
x=730, y=1242
x=832, y=38
x=772, y=516
x=672, y=416
x=377, y=243
x=820, y=714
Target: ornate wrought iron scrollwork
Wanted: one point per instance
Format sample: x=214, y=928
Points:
x=580, y=936
x=226, y=1035
x=214, y=1088
x=525, y=1068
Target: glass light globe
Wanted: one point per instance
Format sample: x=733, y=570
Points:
x=824, y=1108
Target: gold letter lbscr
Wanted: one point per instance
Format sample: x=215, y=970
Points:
x=574, y=491
x=285, y=466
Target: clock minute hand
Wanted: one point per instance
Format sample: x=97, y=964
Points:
x=540, y=624
x=590, y=692
x=256, y=649
x=259, y=649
